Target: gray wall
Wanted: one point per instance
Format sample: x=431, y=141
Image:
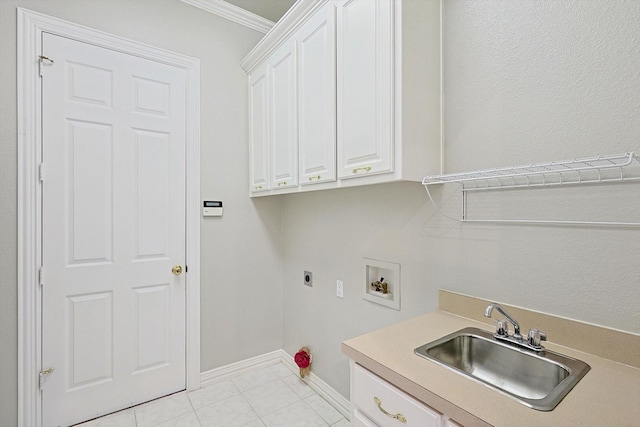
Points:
x=524, y=82
x=241, y=261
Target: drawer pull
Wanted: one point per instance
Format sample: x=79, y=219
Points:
x=398, y=417
x=365, y=168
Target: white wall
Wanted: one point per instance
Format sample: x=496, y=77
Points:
x=524, y=82
x=241, y=262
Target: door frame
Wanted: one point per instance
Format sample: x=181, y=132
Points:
x=31, y=25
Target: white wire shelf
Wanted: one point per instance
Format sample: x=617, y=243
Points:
x=594, y=170
x=577, y=171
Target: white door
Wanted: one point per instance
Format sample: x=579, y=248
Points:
x=113, y=226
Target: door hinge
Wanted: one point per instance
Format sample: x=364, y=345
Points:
x=186, y=268
x=42, y=375
x=42, y=60
x=41, y=172
x=41, y=276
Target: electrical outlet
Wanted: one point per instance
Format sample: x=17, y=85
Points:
x=339, y=288
x=308, y=278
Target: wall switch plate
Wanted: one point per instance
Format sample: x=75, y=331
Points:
x=308, y=278
x=340, y=288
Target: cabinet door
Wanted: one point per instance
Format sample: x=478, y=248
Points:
x=359, y=420
x=316, y=97
x=386, y=405
x=365, y=81
x=259, y=131
x=283, y=118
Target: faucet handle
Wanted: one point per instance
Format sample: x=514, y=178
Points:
x=535, y=336
x=502, y=328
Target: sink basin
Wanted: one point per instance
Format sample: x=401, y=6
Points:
x=538, y=380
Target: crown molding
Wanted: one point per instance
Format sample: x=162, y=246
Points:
x=300, y=12
x=233, y=13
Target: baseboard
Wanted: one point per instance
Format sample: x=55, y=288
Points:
x=327, y=392
x=323, y=389
x=238, y=368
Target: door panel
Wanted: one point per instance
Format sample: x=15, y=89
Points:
x=89, y=84
x=113, y=198
x=152, y=328
x=89, y=180
x=152, y=171
x=365, y=61
x=90, y=315
x=317, y=97
x=259, y=131
x=283, y=118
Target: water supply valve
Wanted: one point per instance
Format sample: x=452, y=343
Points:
x=303, y=360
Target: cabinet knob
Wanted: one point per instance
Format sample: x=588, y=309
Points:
x=311, y=178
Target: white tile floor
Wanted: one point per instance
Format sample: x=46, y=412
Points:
x=271, y=396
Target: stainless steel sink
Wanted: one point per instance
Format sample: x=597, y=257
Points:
x=539, y=380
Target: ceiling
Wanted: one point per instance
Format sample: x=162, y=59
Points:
x=269, y=9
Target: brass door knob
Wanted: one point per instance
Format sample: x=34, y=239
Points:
x=177, y=270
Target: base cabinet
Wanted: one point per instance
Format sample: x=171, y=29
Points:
x=359, y=420
x=377, y=403
x=385, y=405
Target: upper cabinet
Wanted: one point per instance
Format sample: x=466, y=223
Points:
x=258, y=131
x=365, y=87
x=316, y=42
x=282, y=117
x=345, y=93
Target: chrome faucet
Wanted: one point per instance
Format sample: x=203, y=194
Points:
x=502, y=331
x=514, y=322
